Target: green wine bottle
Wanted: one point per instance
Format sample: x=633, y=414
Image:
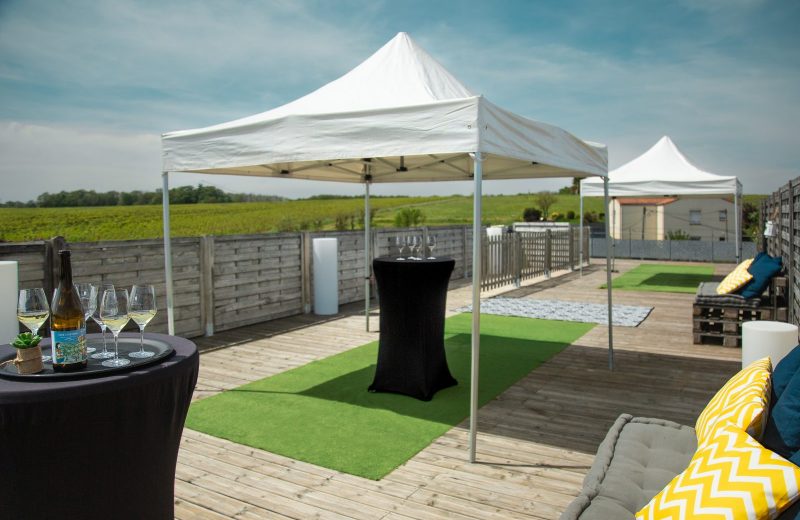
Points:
x=67, y=322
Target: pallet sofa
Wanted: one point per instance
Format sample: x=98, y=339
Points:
x=640, y=456
x=717, y=319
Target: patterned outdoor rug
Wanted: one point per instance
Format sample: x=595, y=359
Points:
x=623, y=315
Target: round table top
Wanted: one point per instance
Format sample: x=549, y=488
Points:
x=19, y=391
x=396, y=260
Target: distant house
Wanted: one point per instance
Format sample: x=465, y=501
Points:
x=659, y=218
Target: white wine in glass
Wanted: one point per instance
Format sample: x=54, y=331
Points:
x=104, y=354
x=142, y=309
x=114, y=313
x=33, y=310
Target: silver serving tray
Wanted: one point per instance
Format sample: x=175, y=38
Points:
x=94, y=368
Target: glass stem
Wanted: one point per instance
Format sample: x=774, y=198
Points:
x=141, y=339
x=116, y=345
x=105, y=350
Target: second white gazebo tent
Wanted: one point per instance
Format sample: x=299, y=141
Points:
x=397, y=117
x=663, y=171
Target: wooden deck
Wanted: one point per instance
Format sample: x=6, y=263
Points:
x=536, y=440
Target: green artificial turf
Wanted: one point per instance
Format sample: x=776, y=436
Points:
x=664, y=278
x=322, y=412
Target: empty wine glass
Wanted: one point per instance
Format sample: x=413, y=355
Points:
x=431, y=246
x=416, y=242
x=114, y=313
x=410, y=246
x=33, y=310
x=87, y=292
x=142, y=309
x=105, y=354
x=401, y=244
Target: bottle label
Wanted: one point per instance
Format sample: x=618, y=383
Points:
x=69, y=346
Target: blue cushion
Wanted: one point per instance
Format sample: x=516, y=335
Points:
x=782, y=433
x=763, y=268
x=784, y=371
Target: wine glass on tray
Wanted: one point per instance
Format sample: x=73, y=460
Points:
x=142, y=309
x=33, y=310
x=87, y=292
x=104, y=354
x=114, y=313
x=431, y=246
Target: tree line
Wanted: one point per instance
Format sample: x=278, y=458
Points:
x=179, y=195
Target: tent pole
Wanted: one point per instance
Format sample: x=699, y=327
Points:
x=367, y=270
x=167, y=254
x=477, y=238
x=580, y=231
x=736, y=211
x=608, y=285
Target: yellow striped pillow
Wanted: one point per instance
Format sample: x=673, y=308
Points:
x=736, y=279
x=732, y=476
x=743, y=401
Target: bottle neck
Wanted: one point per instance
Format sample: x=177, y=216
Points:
x=66, y=271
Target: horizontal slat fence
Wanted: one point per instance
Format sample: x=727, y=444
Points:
x=783, y=209
x=223, y=282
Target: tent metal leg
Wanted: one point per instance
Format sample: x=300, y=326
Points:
x=167, y=254
x=367, y=270
x=477, y=236
x=580, y=231
x=737, y=221
x=608, y=284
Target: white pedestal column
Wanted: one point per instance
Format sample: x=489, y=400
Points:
x=9, y=292
x=767, y=338
x=326, y=276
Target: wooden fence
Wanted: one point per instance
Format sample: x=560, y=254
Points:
x=223, y=282
x=783, y=209
x=511, y=258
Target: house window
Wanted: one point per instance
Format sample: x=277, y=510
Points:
x=723, y=215
x=694, y=217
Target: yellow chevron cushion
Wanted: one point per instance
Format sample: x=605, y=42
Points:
x=731, y=477
x=736, y=279
x=743, y=401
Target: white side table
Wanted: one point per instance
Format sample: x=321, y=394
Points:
x=767, y=338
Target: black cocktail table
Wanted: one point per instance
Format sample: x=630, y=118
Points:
x=102, y=448
x=411, y=356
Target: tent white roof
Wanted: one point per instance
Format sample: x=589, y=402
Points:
x=661, y=170
x=397, y=117
x=401, y=109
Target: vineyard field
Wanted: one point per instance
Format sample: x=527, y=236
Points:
x=144, y=222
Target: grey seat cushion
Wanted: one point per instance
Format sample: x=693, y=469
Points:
x=707, y=295
x=638, y=457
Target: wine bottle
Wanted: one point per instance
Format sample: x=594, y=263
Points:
x=67, y=322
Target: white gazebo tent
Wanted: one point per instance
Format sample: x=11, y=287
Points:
x=397, y=117
x=661, y=171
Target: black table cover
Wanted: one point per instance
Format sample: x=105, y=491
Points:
x=411, y=357
x=103, y=448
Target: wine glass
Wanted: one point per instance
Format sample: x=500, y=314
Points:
x=142, y=309
x=87, y=292
x=33, y=310
x=410, y=246
x=105, y=354
x=431, y=245
x=114, y=313
x=416, y=242
x=400, y=242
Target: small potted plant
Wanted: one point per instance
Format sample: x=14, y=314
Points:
x=29, y=353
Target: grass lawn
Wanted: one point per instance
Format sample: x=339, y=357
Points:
x=664, y=278
x=322, y=413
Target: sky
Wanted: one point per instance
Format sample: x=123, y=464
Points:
x=87, y=87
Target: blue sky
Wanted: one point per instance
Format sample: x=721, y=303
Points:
x=87, y=87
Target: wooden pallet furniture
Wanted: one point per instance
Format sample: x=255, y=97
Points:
x=720, y=324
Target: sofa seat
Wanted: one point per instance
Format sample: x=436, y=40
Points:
x=638, y=457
